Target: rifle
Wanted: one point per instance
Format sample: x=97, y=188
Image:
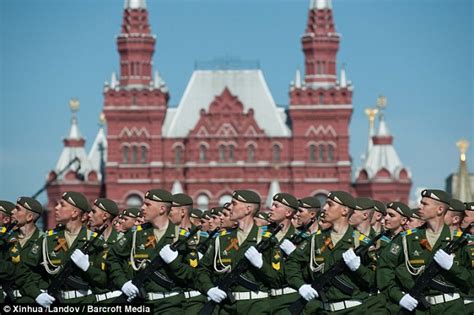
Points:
x=327, y=279
x=202, y=247
x=426, y=278
x=63, y=276
x=235, y=276
x=151, y=271
x=297, y=238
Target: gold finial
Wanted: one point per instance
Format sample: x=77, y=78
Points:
x=371, y=113
x=102, y=119
x=381, y=102
x=463, y=145
x=74, y=105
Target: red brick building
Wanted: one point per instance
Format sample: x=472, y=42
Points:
x=227, y=132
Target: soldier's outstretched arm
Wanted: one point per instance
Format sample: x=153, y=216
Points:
x=118, y=258
x=387, y=264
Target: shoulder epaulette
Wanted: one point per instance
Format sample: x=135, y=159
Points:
x=360, y=236
x=318, y=232
x=266, y=233
x=408, y=232
x=183, y=232
x=458, y=233
x=52, y=232
x=386, y=239
x=203, y=234
x=224, y=232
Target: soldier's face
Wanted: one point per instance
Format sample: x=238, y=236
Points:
x=96, y=217
x=468, y=220
x=279, y=212
x=237, y=210
x=205, y=224
x=19, y=214
x=452, y=218
x=332, y=211
x=4, y=219
x=357, y=217
x=176, y=215
x=150, y=210
x=377, y=217
x=126, y=223
x=303, y=216
x=63, y=211
x=429, y=208
x=393, y=220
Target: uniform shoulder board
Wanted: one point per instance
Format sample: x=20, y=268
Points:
x=183, y=232
x=224, y=232
x=52, y=232
x=264, y=228
x=361, y=237
x=318, y=232
x=386, y=239
x=266, y=233
x=458, y=234
x=203, y=234
x=409, y=232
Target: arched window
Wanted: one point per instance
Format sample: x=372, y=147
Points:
x=330, y=153
x=134, y=201
x=321, y=153
x=143, y=155
x=178, y=155
x=202, y=201
x=125, y=155
x=231, y=153
x=134, y=154
x=222, y=153
x=312, y=153
x=202, y=153
x=250, y=153
x=276, y=153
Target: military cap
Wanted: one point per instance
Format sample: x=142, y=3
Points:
x=436, y=194
x=246, y=196
x=415, y=214
x=107, y=205
x=132, y=213
x=181, y=200
x=364, y=203
x=262, y=215
x=206, y=215
x=77, y=199
x=159, y=195
x=456, y=205
x=30, y=204
x=401, y=208
x=196, y=213
x=227, y=205
x=342, y=198
x=380, y=207
x=6, y=207
x=287, y=199
x=469, y=206
x=309, y=203
x=216, y=211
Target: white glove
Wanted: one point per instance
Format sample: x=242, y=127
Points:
x=45, y=300
x=408, y=302
x=287, y=246
x=255, y=257
x=168, y=254
x=216, y=294
x=80, y=259
x=307, y=292
x=351, y=259
x=130, y=289
x=200, y=255
x=444, y=260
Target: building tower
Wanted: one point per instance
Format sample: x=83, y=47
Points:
x=134, y=106
x=382, y=175
x=320, y=109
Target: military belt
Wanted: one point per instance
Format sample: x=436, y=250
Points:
x=152, y=296
x=276, y=292
x=240, y=296
x=337, y=306
x=191, y=294
x=442, y=298
x=107, y=295
x=67, y=295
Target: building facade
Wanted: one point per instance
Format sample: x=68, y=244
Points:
x=227, y=132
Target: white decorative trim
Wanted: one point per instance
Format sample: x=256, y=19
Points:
x=320, y=130
x=250, y=132
x=202, y=132
x=226, y=130
x=203, y=143
x=177, y=144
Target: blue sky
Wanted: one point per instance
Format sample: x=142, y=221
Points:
x=419, y=53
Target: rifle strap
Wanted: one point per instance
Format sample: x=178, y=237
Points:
x=141, y=263
x=313, y=265
x=217, y=258
x=412, y=270
x=50, y=268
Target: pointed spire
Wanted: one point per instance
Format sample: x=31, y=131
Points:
x=343, y=82
x=297, y=79
x=113, y=81
x=134, y=4
x=274, y=189
x=98, y=150
x=463, y=188
x=74, y=132
x=371, y=113
x=177, y=188
x=320, y=4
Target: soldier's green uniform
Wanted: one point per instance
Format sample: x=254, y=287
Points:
x=6, y=208
x=469, y=251
x=305, y=264
x=401, y=263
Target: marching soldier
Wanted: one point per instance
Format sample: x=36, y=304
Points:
x=26, y=212
x=455, y=214
x=378, y=217
x=415, y=220
x=103, y=212
x=224, y=254
x=469, y=251
x=128, y=219
x=362, y=216
x=195, y=216
x=309, y=209
x=328, y=247
x=408, y=256
x=6, y=208
x=261, y=218
x=50, y=253
x=139, y=246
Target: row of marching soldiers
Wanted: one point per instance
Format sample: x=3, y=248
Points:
x=305, y=239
